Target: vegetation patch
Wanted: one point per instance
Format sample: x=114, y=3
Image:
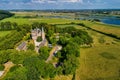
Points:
x=107, y=55
x=5, y=14
x=4, y=33
x=39, y=39
x=14, y=68
x=1, y=67
x=101, y=40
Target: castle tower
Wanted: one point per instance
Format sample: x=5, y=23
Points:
x=43, y=34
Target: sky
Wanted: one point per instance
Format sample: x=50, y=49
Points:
x=59, y=4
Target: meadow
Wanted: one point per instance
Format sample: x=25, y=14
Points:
x=111, y=29
x=101, y=61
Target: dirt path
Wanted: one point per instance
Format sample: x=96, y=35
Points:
x=51, y=54
x=54, y=50
x=7, y=65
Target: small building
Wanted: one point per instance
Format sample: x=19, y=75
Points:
x=35, y=33
x=22, y=46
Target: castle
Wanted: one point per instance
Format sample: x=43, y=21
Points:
x=35, y=33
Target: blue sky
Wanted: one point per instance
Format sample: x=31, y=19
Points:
x=59, y=4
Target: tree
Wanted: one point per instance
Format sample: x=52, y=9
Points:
x=32, y=74
x=1, y=67
x=31, y=47
x=43, y=53
x=14, y=25
x=62, y=41
x=18, y=74
x=32, y=65
x=68, y=68
x=39, y=39
x=50, y=33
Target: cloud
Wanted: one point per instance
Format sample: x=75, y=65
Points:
x=14, y=1
x=57, y=1
x=59, y=4
x=73, y=1
x=38, y=1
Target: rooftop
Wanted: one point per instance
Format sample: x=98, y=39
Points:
x=22, y=45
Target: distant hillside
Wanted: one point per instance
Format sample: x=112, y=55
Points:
x=5, y=14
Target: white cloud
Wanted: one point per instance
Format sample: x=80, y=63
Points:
x=81, y=1
x=38, y=1
x=55, y=1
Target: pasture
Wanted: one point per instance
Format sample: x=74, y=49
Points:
x=101, y=61
x=111, y=29
x=41, y=20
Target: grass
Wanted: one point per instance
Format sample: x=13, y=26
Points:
x=100, y=62
x=41, y=20
x=17, y=20
x=111, y=29
x=94, y=66
x=4, y=33
x=62, y=77
x=107, y=55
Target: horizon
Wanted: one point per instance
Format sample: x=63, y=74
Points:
x=59, y=9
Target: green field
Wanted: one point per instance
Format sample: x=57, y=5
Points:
x=111, y=29
x=101, y=61
x=4, y=33
x=41, y=20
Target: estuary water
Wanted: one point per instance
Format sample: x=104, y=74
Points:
x=105, y=19
x=114, y=21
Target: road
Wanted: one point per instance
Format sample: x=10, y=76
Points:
x=54, y=49
x=7, y=65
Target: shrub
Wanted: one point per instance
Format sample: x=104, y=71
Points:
x=1, y=67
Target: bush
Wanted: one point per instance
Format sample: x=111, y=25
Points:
x=39, y=39
x=14, y=68
x=1, y=67
x=101, y=40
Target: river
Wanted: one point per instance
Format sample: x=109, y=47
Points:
x=105, y=19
